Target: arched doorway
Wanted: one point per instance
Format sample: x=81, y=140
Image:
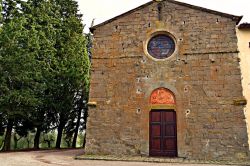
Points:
x=162, y=125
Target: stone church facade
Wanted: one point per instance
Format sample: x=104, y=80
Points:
x=165, y=81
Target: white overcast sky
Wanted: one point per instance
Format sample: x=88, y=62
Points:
x=102, y=10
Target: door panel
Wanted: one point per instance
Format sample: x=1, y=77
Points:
x=169, y=130
x=156, y=144
x=169, y=144
x=156, y=117
x=168, y=117
x=156, y=131
x=163, y=137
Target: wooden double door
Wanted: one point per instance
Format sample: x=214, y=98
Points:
x=163, y=136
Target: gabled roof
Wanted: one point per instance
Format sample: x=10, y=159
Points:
x=233, y=17
x=244, y=26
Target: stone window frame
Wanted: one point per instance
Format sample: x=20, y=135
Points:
x=161, y=32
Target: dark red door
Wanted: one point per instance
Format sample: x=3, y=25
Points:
x=163, y=137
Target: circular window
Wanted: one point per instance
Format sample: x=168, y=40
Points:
x=161, y=46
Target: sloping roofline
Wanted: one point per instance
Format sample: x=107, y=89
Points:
x=244, y=25
x=237, y=19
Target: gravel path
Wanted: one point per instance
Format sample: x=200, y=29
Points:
x=66, y=158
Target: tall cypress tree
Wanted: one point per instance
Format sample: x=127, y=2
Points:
x=45, y=18
x=19, y=75
x=73, y=62
x=43, y=64
x=26, y=50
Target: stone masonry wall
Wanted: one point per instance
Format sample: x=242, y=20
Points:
x=204, y=75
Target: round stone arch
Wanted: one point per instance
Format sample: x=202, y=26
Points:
x=162, y=98
x=166, y=86
x=162, y=124
x=180, y=116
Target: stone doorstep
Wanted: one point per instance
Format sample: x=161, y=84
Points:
x=157, y=160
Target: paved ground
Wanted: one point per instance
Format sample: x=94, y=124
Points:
x=66, y=158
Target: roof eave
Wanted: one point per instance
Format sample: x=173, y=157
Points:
x=237, y=19
x=244, y=26
x=92, y=29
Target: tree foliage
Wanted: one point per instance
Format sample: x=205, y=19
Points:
x=1, y=17
x=44, y=64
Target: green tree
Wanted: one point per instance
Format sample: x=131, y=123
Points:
x=72, y=70
x=18, y=73
x=44, y=17
x=1, y=17
x=26, y=51
x=10, y=9
x=43, y=64
x=80, y=110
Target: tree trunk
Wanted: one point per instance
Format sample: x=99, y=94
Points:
x=49, y=144
x=7, y=140
x=37, y=138
x=28, y=142
x=84, y=141
x=77, y=128
x=68, y=143
x=59, y=134
x=1, y=144
x=85, y=117
x=15, y=141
